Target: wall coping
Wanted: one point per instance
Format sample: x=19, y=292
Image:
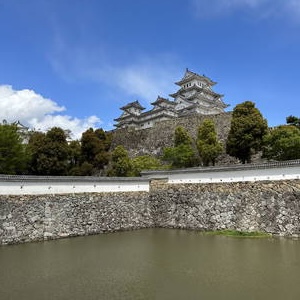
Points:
x=268, y=165
x=98, y=179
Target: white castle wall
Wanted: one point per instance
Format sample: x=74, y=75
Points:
x=37, y=185
x=23, y=185
x=269, y=171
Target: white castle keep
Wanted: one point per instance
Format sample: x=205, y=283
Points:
x=195, y=96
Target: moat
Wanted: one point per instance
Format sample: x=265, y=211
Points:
x=152, y=264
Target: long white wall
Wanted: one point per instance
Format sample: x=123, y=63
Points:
x=32, y=185
x=269, y=171
x=20, y=185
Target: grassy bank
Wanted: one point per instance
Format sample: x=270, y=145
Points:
x=236, y=233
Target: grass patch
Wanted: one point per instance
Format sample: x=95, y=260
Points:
x=236, y=233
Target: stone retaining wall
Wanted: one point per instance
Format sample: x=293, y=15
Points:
x=153, y=140
x=35, y=218
x=272, y=207
x=268, y=206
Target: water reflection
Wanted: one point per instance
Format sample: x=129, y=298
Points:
x=152, y=264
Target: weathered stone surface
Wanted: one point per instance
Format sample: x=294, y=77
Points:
x=152, y=140
x=272, y=207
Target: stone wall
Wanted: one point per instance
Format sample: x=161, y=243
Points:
x=268, y=206
x=35, y=218
x=153, y=140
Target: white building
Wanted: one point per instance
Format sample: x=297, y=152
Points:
x=195, y=96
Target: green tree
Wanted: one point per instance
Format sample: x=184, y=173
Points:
x=50, y=152
x=95, y=147
x=246, y=132
x=74, y=155
x=181, y=137
x=282, y=143
x=292, y=120
x=209, y=147
x=121, y=165
x=14, y=156
x=182, y=155
x=144, y=162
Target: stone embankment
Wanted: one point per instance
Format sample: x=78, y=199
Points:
x=153, y=140
x=272, y=207
x=37, y=217
x=269, y=206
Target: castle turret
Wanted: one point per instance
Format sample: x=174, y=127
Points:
x=197, y=96
x=130, y=115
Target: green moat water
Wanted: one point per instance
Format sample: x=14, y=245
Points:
x=152, y=264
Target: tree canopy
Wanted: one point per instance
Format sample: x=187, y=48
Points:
x=182, y=154
x=13, y=154
x=282, y=143
x=144, y=162
x=246, y=132
x=209, y=147
x=121, y=165
x=49, y=152
x=95, y=146
x=292, y=120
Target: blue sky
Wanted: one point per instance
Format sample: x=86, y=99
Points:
x=73, y=63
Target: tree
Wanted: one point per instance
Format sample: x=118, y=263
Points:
x=292, y=120
x=14, y=156
x=246, y=132
x=144, y=162
x=74, y=157
x=209, y=147
x=121, y=164
x=95, y=147
x=182, y=155
x=181, y=137
x=50, y=152
x=282, y=143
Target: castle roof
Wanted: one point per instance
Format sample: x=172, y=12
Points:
x=197, y=88
x=162, y=100
x=189, y=75
x=135, y=104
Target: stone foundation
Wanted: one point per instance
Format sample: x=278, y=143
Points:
x=272, y=207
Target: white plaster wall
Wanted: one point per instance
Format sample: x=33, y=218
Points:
x=56, y=187
x=236, y=176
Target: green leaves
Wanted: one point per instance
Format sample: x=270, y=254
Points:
x=182, y=155
x=246, y=132
x=49, y=152
x=121, y=164
x=209, y=147
x=282, y=143
x=13, y=154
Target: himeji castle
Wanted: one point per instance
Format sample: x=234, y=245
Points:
x=194, y=96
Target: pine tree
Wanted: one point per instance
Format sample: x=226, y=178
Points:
x=246, y=132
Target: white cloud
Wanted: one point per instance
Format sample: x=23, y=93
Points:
x=146, y=78
x=259, y=8
x=142, y=78
x=39, y=113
